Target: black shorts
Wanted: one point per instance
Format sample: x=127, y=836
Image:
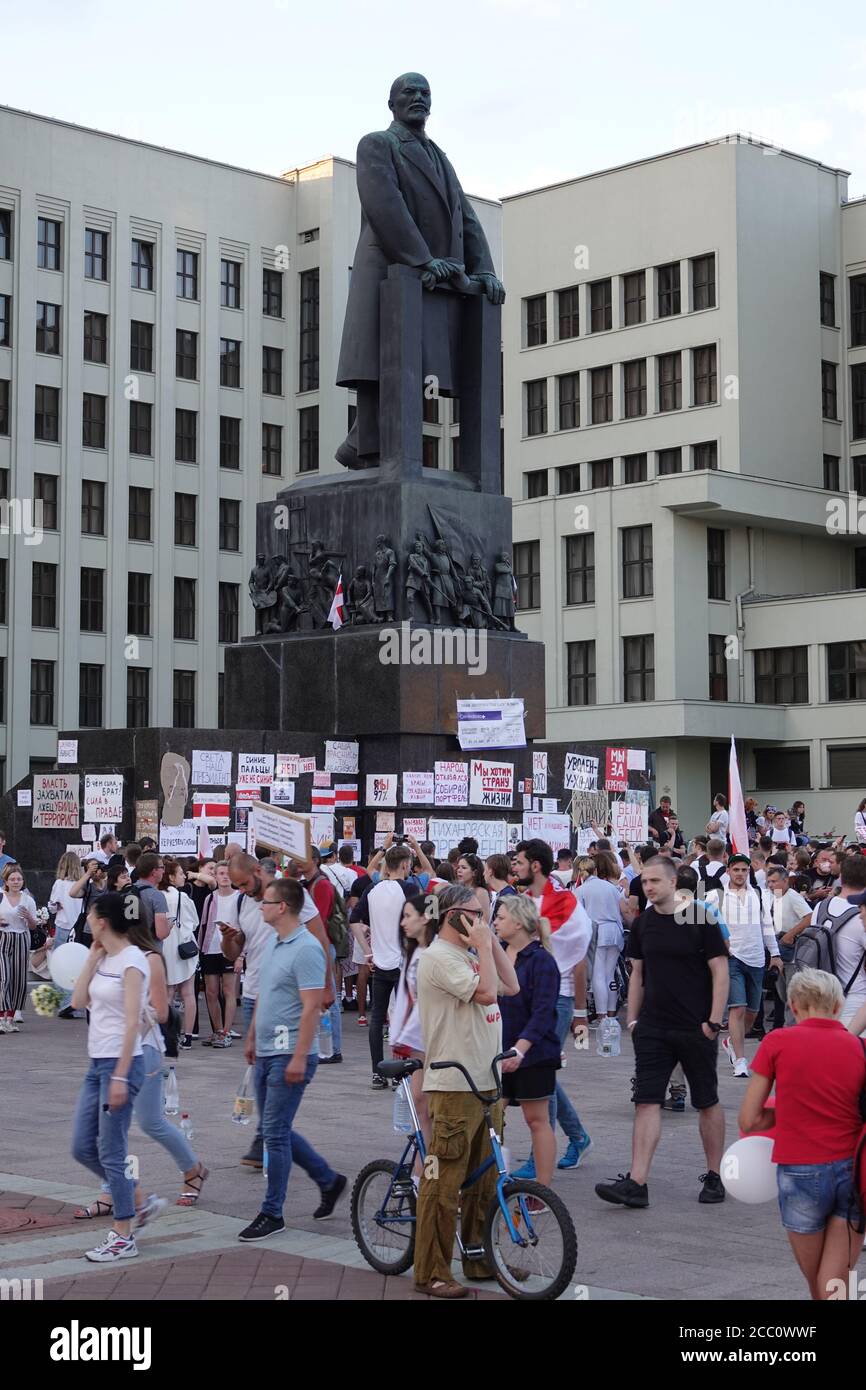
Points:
x=215, y=964
x=529, y=1083
x=656, y=1053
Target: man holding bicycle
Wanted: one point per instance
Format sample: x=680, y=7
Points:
x=459, y=980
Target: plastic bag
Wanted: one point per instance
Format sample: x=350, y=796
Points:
x=244, y=1106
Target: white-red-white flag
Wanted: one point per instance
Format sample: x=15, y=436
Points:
x=205, y=851
x=736, y=806
x=336, y=617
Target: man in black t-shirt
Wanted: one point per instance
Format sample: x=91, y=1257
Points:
x=676, y=1000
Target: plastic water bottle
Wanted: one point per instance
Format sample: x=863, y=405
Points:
x=172, y=1098
x=186, y=1127
x=615, y=1037
x=402, y=1119
x=326, y=1037
x=603, y=1039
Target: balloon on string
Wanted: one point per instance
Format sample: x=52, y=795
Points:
x=66, y=963
x=748, y=1171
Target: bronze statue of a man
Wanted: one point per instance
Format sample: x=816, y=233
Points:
x=415, y=213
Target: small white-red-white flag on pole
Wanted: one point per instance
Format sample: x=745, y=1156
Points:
x=336, y=617
x=736, y=806
x=205, y=851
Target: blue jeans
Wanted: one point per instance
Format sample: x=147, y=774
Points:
x=99, y=1135
x=149, y=1111
x=335, y=1011
x=810, y=1193
x=561, y=1108
x=278, y=1104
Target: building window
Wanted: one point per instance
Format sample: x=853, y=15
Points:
x=858, y=475
x=601, y=393
x=45, y=491
x=580, y=673
x=230, y=362
x=137, y=697
x=634, y=379
x=272, y=293
x=827, y=291
x=139, y=513
x=858, y=401
x=229, y=524
x=311, y=234
x=95, y=337
x=568, y=312
x=536, y=320
x=669, y=461
x=93, y=507
x=4, y=484
x=308, y=352
x=634, y=297
x=536, y=407
x=4, y=590
x=580, y=570
x=95, y=255
x=186, y=355
x=846, y=670
x=5, y=234
x=568, y=479
x=185, y=433
x=670, y=379
x=183, y=699
x=860, y=567
x=716, y=579
x=228, y=612
x=704, y=375
x=47, y=244
x=527, y=572
x=600, y=310
x=308, y=439
x=668, y=282
x=48, y=328
x=536, y=483
x=568, y=388
x=846, y=766
x=185, y=504
x=455, y=454
x=221, y=700
x=184, y=609
x=140, y=346
x=601, y=473
x=637, y=561
x=828, y=390
x=781, y=676
x=638, y=669
x=142, y=264
x=230, y=442
x=272, y=371
x=187, y=275
x=272, y=450
x=718, y=668
x=47, y=419
x=2, y=714
x=634, y=468
x=705, y=455
x=5, y=320
x=857, y=293
x=93, y=421
x=831, y=473
x=42, y=692
x=783, y=769
x=138, y=604
x=44, y=595
x=704, y=282
x=92, y=600
x=429, y=451
x=430, y=410
x=230, y=284
x=140, y=428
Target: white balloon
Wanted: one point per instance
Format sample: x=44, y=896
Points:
x=748, y=1170
x=66, y=963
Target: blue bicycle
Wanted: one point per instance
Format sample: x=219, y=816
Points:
x=529, y=1238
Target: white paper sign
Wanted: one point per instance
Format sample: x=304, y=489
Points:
x=255, y=769
x=80, y=850
x=103, y=796
x=321, y=779
x=539, y=773
x=585, y=837
x=382, y=789
x=452, y=784
x=306, y=765
x=490, y=834
x=636, y=759
x=418, y=788
x=629, y=819
x=67, y=750
x=88, y=833
x=527, y=802
x=322, y=828
x=234, y=837
x=490, y=724
x=105, y=830
x=178, y=839
x=214, y=805
x=490, y=783
x=282, y=793
x=245, y=796
x=211, y=767
x=341, y=757
x=288, y=767
x=581, y=773
x=55, y=801
x=386, y=822
x=415, y=826
x=379, y=838
x=25, y=797
x=549, y=804
x=515, y=835
x=279, y=830
x=556, y=830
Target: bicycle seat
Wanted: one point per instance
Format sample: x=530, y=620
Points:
x=399, y=1067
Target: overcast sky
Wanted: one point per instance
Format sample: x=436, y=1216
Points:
x=525, y=92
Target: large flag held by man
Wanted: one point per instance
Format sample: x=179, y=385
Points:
x=736, y=807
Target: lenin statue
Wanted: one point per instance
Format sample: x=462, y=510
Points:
x=413, y=213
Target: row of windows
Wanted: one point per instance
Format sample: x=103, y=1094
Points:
x=636, y=567
x=830, y=398
x=635, y=470
x=90, y=696
x=668, y=391
x=92, y=595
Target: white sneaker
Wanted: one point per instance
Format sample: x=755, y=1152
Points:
x=151, y=1209
x=116, y=1247
x=6, y=1025
x=732, y=1058
x=741, y=1067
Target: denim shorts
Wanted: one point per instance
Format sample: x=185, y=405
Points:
x=810, y=1193
x=746, y=987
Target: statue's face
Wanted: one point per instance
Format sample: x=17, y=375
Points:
x=410, y=99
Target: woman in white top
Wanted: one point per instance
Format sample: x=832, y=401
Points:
x=17, y=916
x=418, y=927
x=603, y=902
x=112, y=985
x=220, y=975
x=184, y=918
x=469, y=871
x=860, y=823
x=66, y=910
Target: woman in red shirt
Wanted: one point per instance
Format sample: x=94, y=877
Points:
x=819, y=1071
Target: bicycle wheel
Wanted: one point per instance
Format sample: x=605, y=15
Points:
x=383, y=1216
x=540, y=1264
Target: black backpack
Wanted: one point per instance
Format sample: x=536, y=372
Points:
x=815, y=947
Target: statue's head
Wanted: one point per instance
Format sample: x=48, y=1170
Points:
x=409, y=99
x=260, y=559
x=441, y=547
x=475, y=558
x=361, y=572
x=381, y=540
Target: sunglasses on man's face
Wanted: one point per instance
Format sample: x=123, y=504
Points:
x=467, y=911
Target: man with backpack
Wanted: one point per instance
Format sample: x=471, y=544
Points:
x=751, y=932
x=332, y=910
x=836, y=940
x=380, y=907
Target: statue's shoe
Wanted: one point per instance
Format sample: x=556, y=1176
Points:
x=349, y=457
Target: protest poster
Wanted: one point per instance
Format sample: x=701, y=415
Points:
x=306, y=765
x=416, y=826
x=255, y=769
x=382, y=789
x=341, y=756
x=354, y=844
x=527, y=802
x=242, y=820
x=67, y=750
x=245, y=796
x=103, y=796
x=549, y=803
x=345, y=794
x=527, y=786
x=322, y=799
x=55, y=801
x=81, y=850
x=581, y=773
x=418, y=788
x=322, y=828
x=178, y=839
x=282, y=831
x=451, y=783
x=88, y=834
x=556, y=830
x=490, y=724
x=25, y=797
x=515, y=835
x=211, y=767
x=348, y=829
x=146, y=819
x=288, y=767
x=379, y=838
x=585, y=837
x=616, y=771
x=321, y=779
x=214, y=806
x=386, y=822
x=629, y=820
x=445, y=834
x=539, y=773
x=282, y=793
x=490, y=783
x=637, y=760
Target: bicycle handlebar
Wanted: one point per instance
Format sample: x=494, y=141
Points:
x=440, y=1066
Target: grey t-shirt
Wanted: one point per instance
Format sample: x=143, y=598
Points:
x=152, y=901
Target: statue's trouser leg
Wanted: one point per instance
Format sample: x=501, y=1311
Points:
x=366, y=426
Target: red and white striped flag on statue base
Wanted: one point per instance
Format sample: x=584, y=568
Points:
x=736, y=806
x=337, y=617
